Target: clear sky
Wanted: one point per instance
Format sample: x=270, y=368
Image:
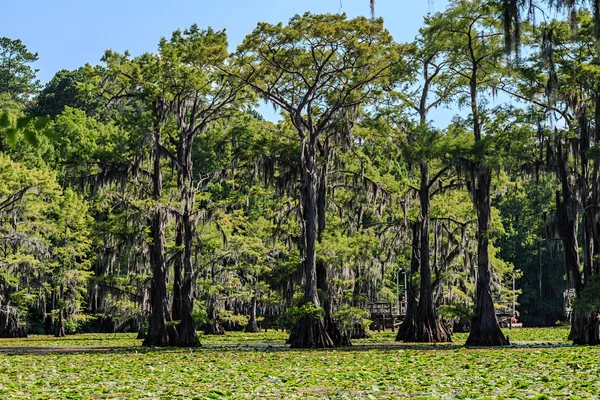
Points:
x=67, y=34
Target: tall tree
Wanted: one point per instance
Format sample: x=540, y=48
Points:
x=471, y=35
x=200, y=95
x=314, y=68
x=425, y=144
x=139, y=82
x=17, y=77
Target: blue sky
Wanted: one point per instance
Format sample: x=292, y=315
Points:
x=67, y=34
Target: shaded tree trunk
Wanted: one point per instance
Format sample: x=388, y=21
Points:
x=309, y=332
x=60, y=325
x=585, y=320
x=186, y=328
x=412, y=292
x=252, y=324
x=10, y=326
x=177, y=269
x=213, y=325
x=425, y=326
x=157, y=332
x=585, y=326
x=485, y=330
x=358, y=331
x=337, y=333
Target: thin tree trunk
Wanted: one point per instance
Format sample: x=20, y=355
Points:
x=252, y=324
x=60, y=325
x=157, y=332
x=213, y=325
x=426, y=326
x=186, y=328
x=177, y=269
x=485, y=330
x=413, y=293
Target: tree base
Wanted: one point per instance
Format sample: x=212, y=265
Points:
x=252, y=327
x=141, y=335
x=486, y=332
x=359, y=332
x=213, y=328
x=429, y=331
x=187, y=336
x=405, y=327
x=585, y=327
x=310, y=334
x=10, y=326
x=156, y=338
x=461, y=327
x=339, y=336
x=173, y=335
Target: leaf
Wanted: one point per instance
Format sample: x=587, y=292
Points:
x=31, y=137
x=50, y=134
x=41, y=122
x=11, y=134
x=4, y=120
x=22, y=122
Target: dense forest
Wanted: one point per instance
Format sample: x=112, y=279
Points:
x=148, y=194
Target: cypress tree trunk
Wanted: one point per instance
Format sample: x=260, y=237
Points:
x=358, y=330
x=585, y=321
x=308, y=332
x=10, y=326
x=426, y=326
x=412, y=301
x=485, y=330
x=60, y=325
x=338, y=335
x=213, y=325
x=252, y=324
x=177, y=268
x=186, y=328
x=157, y=332
x=585, y=326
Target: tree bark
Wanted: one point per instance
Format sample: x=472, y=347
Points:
x=252, y=324
x=309, y=333
x=413, y=293
x=585, y=326
x=485, y=330
x=177, y=269
x=157, y=332
x=339, y=335
x=426, y=326
x=10, y=326
x=60, y=325
x=585, y=321
x=186, y=328
x=213, y=325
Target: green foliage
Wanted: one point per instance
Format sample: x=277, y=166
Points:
x=389, y=369
x=461, y=312
x=350, y=317
x=49, y=230
x=307, y=312
x=11, y=126
x=17, y=78
x=66, y=89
